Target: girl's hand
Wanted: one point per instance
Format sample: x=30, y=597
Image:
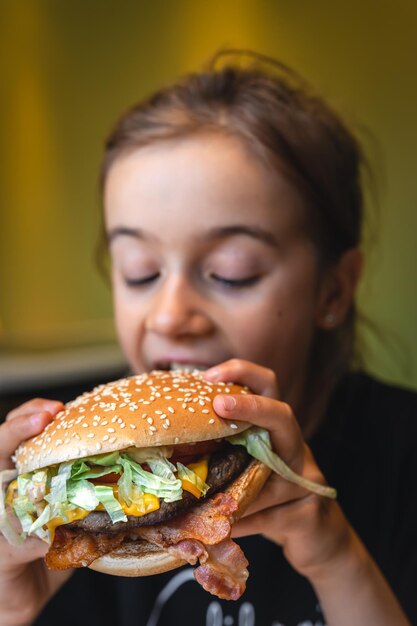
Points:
x=25, y=582
x=311, y=529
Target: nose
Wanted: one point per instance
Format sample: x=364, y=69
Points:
x=177, y=309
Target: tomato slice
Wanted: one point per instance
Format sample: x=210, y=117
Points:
x=113, y=477
x=186, y=453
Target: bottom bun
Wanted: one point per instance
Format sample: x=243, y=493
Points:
x=140, y=558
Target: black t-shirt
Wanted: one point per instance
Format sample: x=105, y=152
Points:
x=366, y=447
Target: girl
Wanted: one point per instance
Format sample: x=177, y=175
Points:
x=233, y=211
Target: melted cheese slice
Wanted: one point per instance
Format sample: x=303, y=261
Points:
x=201, y=469
x=148, y=503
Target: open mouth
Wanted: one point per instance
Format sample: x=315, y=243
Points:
x=185, y=367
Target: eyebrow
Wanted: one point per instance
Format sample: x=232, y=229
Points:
x=243, y=229
x=215, y=233
x=118, y=231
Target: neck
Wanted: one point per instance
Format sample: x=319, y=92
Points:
x=313, y=405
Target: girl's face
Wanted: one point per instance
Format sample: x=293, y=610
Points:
x=209, y=260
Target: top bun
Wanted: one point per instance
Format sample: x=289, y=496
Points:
x=159, y=408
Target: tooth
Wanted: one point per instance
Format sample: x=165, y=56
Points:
x=187, y=367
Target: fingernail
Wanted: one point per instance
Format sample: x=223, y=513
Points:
x=229, y=403
x=213, y=374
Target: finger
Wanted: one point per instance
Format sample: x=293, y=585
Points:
x=276, y=491
x=275, y=522
x=259, y=379
x=32, y=549
x=13, y=432
x=36, y=406
x=276, y=417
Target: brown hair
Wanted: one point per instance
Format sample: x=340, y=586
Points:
x=291, y=130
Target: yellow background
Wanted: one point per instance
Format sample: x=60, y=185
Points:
x=68, y=69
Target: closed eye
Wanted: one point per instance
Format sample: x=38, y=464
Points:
x=235, y=282
x=139, y=282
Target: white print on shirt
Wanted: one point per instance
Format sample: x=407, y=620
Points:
x=166, y=592
x=214, y=615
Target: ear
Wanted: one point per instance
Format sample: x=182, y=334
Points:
x=337, y=289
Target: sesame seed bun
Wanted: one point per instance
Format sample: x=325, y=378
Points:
x=159, y=408
x=140, y=558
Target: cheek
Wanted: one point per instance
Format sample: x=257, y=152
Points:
x=128, y=323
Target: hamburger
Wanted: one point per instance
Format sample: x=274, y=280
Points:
x=139, y=477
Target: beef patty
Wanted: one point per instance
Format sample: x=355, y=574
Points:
x=224, y=466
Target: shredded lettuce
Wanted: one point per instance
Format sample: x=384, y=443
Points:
x=185, y=473
x=58, y=492
x=6, y=527
x=257, y=442
x=54, y=491
x=125, y=484
x=44, y=518
x=143, y=455
x=82, y=494
x=24, y=509
x=105, y=495
x=80, y=470
x=166, y=487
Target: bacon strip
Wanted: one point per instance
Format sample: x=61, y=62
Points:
x=72, y=548
x=209, y=522
x=224, y=573
x=222, y=570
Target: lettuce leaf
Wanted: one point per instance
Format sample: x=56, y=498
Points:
x=257, y=442
x=105, y=495
x=185, y=473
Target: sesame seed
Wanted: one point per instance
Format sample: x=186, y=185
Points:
x=90, y=435
x=205, y=411
x=149, y=420
x=165, y=425
x=104, y=423
x=211, y=421
x=105, y=437
x=158, y=412
x=85, y=425
x=167, y=422
x=184, y=406
x=233, y=425
x=122, y=425
x=176, y=440
x=144, y=415
x=171, y=410
x=152, y=429
x=98, y=445
x=110, y=430
x=190, y=408
x=168, y=397
x=112, y=439
x=132, y=426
